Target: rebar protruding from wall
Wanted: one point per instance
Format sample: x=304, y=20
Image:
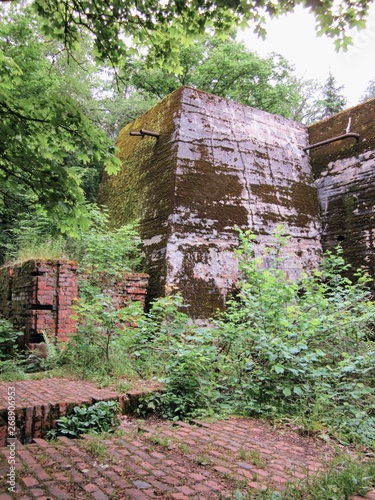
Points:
x=328, y=141
x=143, y=132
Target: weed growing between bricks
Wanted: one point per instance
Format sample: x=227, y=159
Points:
x=343, y=478
x=145, y=459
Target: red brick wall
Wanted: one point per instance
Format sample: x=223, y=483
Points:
x=37, y=296
x=133, y=288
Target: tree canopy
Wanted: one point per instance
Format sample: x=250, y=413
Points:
x=369, y=92
x=332, y=101
x=163, y=27
x=227, y=69
x=222, y=67
x=46, y=135
x=53, y=132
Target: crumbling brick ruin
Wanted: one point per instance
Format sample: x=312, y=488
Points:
x=217, y=165
x=37, y=296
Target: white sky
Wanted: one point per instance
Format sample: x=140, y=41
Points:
x=294, y=37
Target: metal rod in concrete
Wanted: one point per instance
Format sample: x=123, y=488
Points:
x=144, y=132
x=328, y=141
x=149, y=132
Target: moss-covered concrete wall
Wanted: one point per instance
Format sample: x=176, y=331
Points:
x=345, y=178
x=144, y=189
x=216, y=165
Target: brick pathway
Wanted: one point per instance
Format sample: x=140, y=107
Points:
x=40, y=402
x=150, y=458
x=157, y=459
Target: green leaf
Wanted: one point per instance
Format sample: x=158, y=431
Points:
x=297, y=390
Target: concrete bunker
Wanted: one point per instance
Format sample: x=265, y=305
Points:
x=216, y=165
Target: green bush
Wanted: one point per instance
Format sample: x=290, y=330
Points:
x=103, y=254
x=95, y=350
x=101, y=249
x=300, y=348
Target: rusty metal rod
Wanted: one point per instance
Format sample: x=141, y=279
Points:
x=149, y=132
x=143, y=132
x=328, y=141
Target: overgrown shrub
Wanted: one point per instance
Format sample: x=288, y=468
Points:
x=35, y=236
x=101, y=249
x=98, y=248
x=102, y=253
x=93, y=349
x=300, y=348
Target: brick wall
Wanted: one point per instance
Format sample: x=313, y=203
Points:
x=37, y=296
x=132, y=288
x=6, y=274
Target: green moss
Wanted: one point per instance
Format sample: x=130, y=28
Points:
x=144, y=189
x=147, y=172
x=362, y=122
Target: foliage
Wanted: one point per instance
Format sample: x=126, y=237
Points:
x=93, y=347
x=34, y=236
x=122, y=102
x=332, y=101
x=53, y=150
x=343, y=478
x=104, y=257
x=9, y=354
x=46, y=137
x=100, y=417
x=309, y=107
x=281, y=349
x=182, y=358
x=47, y=358
x=163, y=27
x=100, y=249
x=224, y=68
x=369, y=92
x=302, y=349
